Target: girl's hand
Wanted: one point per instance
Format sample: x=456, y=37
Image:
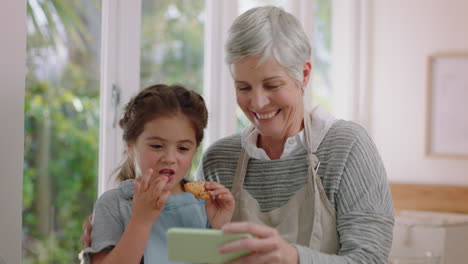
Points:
x=149, y=196
x=266, y=246
x=220, y=209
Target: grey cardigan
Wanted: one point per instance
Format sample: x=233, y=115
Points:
x=354, y=180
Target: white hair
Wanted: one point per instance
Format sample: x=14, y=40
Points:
x=269, y=32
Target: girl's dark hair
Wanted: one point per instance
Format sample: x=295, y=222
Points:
x=158, y=101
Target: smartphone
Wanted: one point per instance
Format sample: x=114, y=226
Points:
x=199, y=245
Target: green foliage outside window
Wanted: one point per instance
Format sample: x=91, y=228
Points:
x=172, y=34
x=62, y=108
x=61, y=127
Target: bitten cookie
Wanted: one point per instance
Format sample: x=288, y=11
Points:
x=197, y=188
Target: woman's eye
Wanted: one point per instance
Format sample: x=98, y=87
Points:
x=245, y=88
x=156, y=146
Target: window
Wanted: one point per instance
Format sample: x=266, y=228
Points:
x=61, y=127
x=321, y=55
x=183, y=42
x=172, y=37
x=76, y=89
x=172, y=43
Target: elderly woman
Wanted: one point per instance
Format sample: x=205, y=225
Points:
x=308, y=187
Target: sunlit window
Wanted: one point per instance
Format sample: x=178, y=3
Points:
x=321, y=55
x=61, y=127
x=63, y=96
x=172, y=45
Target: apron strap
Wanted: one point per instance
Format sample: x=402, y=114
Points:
x=238, y=180
x=313, y=162
x=241, y=170
x=317, y=231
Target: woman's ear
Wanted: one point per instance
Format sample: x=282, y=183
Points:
x=306, y=73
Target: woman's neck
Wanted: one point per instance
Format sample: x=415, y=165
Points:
x=274, y=146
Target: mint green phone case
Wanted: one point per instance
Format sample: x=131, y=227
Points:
x=200, y=245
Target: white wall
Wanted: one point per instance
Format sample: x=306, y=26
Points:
x=12, y=72
x=404, y=33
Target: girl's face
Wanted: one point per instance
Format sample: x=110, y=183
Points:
x=269, y=97
x=167, y=145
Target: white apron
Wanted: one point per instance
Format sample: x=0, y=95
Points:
x=307, y=219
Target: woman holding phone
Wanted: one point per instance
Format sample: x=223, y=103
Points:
x=309, y=188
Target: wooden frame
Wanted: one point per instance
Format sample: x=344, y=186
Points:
x=447, y=121
x=435, y=198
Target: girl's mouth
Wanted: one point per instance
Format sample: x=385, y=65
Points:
x=167, y=173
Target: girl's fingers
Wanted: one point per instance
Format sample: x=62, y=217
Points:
x=146, y=179
x=211, y=185
x=137, y=185
x=162, y=200
x=226, y=199
x=216, y=188
x=158, y=185
x=219, y=192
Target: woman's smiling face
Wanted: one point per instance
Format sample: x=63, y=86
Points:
x=166, y=145
x=269, y=97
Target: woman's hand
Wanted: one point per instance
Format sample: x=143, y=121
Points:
x=266, y=246
x=149, y=196
x=220, y=209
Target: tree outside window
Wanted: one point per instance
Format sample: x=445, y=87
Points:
x=61, y=126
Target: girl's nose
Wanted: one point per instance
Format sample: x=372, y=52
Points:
x=169, y=157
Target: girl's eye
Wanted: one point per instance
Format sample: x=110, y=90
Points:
x=271, y=86
x=156, y=146
x=184, y=148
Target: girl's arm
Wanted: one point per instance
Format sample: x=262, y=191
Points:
x=149, y=196
x=130, y=248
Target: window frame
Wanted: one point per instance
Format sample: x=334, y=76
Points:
x=352, y=60
x=13, y=70
x=120, y=71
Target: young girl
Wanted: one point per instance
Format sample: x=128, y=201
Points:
x=162, y=127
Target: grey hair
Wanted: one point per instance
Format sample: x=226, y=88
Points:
x=269, y=32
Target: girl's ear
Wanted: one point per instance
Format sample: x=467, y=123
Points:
x=130, y=151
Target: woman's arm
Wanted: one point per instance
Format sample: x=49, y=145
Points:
x=363, y=203
x=364, y=213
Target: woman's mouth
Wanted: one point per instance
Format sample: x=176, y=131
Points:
x=265, y=116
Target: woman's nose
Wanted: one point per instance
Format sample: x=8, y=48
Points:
x=259, y=99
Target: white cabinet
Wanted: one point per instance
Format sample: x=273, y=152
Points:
x=421, y=234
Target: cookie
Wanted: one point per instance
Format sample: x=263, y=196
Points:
x=197, y=188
